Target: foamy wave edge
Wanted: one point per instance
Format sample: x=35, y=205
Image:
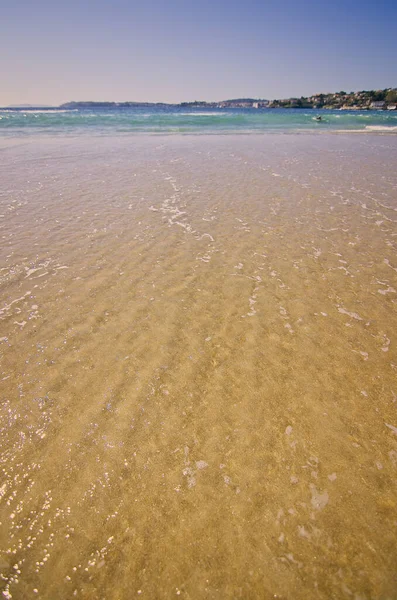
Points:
x=381, y=128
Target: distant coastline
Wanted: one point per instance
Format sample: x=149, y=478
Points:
x=364, y=100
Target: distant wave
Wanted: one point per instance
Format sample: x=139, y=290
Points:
x=202, y=114
x=22, y=111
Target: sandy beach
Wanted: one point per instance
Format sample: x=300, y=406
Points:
x=198, y=367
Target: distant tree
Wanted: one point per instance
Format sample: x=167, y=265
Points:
x=391, y=96
x=378, y=96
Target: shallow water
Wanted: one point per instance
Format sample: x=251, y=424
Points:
x=26, y=123
x=198, y=367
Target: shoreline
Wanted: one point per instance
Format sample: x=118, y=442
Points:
x=38, y=136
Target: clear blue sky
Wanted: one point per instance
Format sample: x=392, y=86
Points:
x=175, y=50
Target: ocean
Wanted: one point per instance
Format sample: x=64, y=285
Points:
x=198, y=356
x=181, y=120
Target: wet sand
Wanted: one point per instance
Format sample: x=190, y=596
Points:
x=198, y=367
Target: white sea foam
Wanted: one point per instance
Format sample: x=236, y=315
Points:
x=353, y=315
x=394, y=429
x=381, y=128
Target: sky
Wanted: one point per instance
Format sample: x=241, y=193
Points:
x=184, y=50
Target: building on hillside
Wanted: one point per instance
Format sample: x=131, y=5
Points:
x=378, y=105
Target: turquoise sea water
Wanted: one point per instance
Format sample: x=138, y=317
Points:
x=181, y=120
